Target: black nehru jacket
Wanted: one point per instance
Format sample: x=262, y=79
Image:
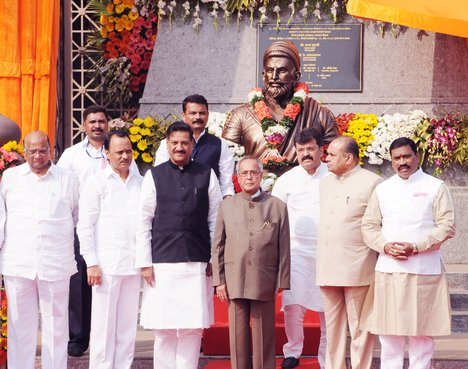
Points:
x=208, y=151
x=180, y=225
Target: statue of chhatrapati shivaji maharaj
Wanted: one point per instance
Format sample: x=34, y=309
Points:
x=266, y=125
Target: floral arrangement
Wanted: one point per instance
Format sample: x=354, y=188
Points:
x=438, y=141
x=263, y=10
x=3, y=326
x=442, y=142
x=125, y=40
x=10, y=156
x=461, y=152
x=145, y=134
x=360, y=127
x=273, y=131
x=343, y=120
x=268, y=181
x=215, y=127
x=389, y=128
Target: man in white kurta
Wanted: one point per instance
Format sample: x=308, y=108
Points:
x=209, y=149
x=37, y=258
x=299, y=189
x=408, y=218
x=176, y=216
x=84, y=159
x=106, y=229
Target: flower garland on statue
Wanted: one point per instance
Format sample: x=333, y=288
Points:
x=273, y=131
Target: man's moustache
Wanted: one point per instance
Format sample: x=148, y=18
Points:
x=403, y=166
x=97, y=130
x=308, y=157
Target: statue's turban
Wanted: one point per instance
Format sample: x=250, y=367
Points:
x=283, y=49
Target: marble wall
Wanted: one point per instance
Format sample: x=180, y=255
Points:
x=399, y=74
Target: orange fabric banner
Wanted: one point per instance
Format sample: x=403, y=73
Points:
x=449, y=16
x=29, y=36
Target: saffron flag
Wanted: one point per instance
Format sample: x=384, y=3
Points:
x=449, y=16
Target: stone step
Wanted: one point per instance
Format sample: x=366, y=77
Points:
x=450, y=353
x=457, y=277
x=459, y=301
x=460, y=322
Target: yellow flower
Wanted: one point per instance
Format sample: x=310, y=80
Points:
x=142, y=145
x=137, y=121
x=145, y=131
x=104, y=32
x=119, y=9
x=109, y=27
x=13, y=146
x=147, y=158
x=119, y=25
x=128, y=25
x=149, y=122
x=135, y=138
x=134, y=130
x=133, y=15
x=135, y=155
x=117, y=2
x=128, y=3
x=103, y=19
x=110, y=8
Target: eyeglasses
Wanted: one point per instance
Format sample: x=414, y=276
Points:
x=41, y=152
x=247, y=173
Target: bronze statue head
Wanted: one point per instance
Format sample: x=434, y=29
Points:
x=281, y=69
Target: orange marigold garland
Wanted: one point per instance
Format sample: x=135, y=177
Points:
x=273, y=131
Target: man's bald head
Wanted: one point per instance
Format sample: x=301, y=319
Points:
x=348, y=145
x=37, y=152
x=36, y=137
x=343, y=155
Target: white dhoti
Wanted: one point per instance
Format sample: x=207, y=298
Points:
x=182, y=297
x=114, y=317
x=303, y=290
x=304, y=295
x=178, y=307
x=25, y=298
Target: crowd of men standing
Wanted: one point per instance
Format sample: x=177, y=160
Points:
x=336, y=238
x=333, y=238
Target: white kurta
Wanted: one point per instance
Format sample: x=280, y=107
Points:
x=84, y=160
x=107, y=221
x=41, y=213
x=300, y=191
x=183, y=295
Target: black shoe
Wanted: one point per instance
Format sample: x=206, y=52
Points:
x=290, y=362
x=75, y=351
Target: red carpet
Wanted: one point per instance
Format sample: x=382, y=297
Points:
x=305, y=363
x=216, y=338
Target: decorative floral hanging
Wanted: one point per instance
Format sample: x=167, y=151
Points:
x=125, y=40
